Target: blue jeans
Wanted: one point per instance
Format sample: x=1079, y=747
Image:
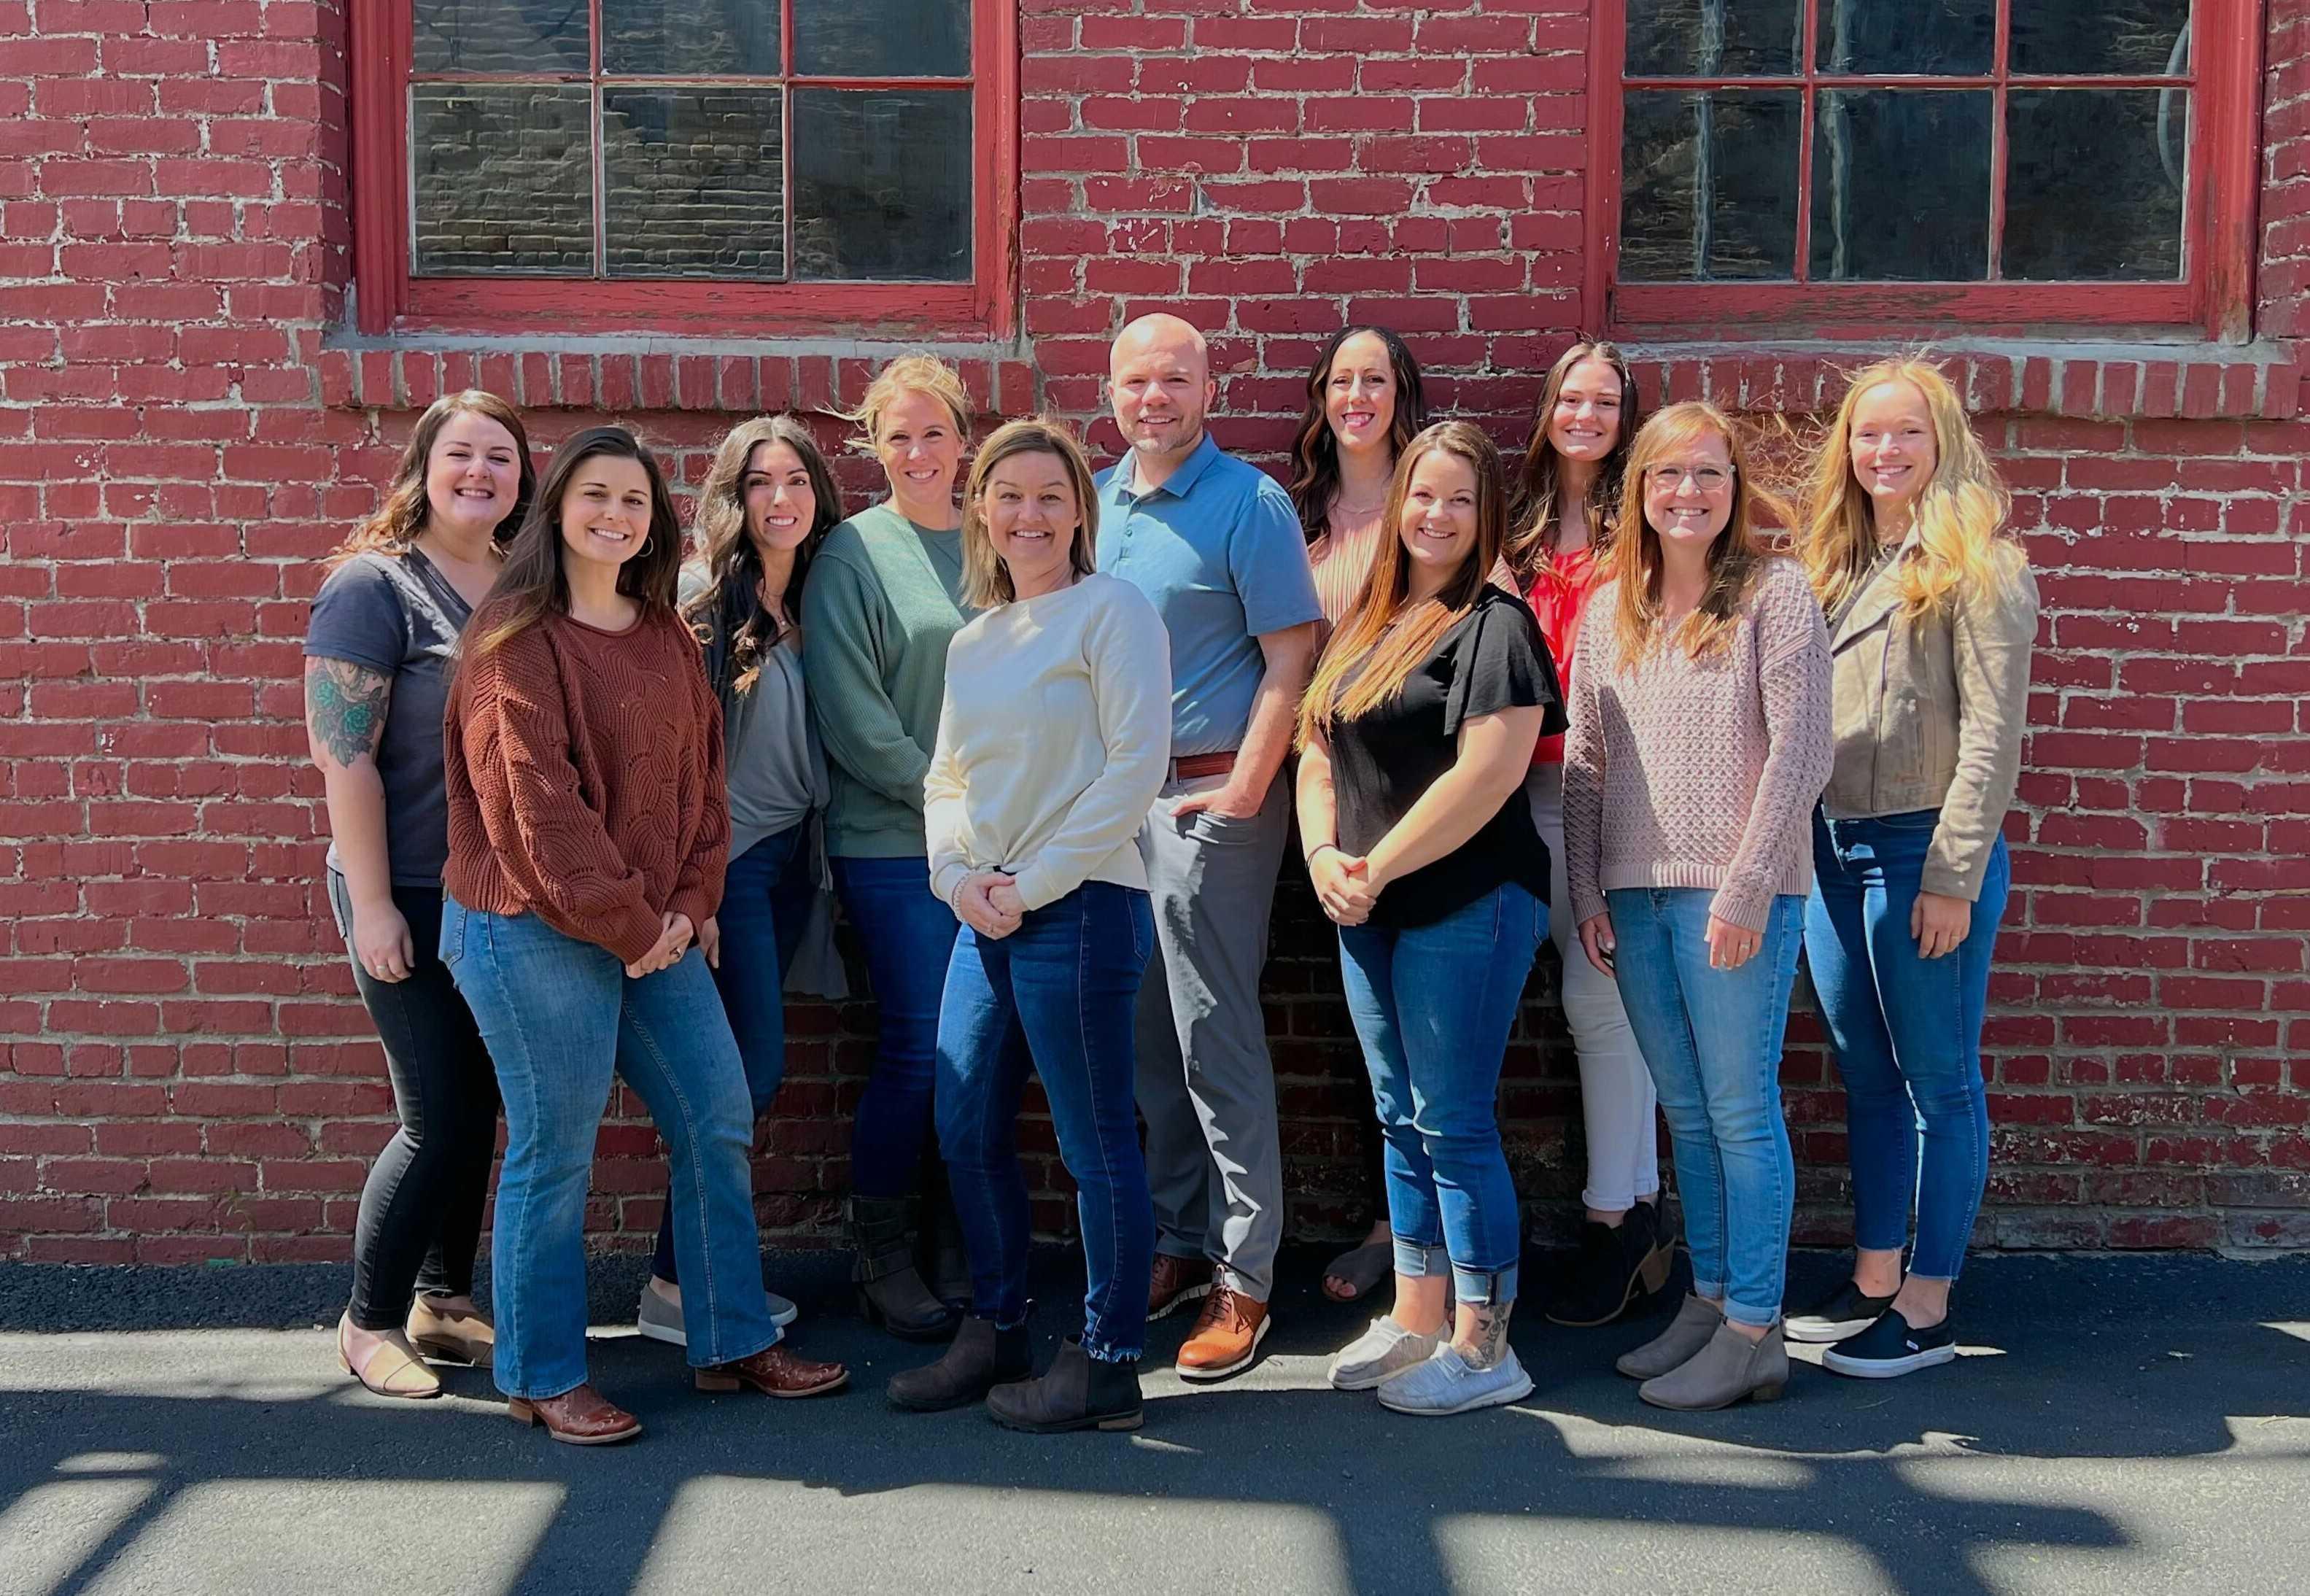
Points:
x=1056, y=995
x=560, y=1016
x=1433, y=1005
x=908, y=935
x=765, y=905
x=1908, y=1033
x=1713, y=1040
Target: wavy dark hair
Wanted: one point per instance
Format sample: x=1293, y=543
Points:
x=533, y=586
x=731, y=605
x=1315, y=453
x=1532, y=497
x=399, y=519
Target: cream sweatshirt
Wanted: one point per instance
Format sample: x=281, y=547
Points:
x=1052, y=741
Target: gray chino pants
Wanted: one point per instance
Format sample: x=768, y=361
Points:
x=1206, y=1085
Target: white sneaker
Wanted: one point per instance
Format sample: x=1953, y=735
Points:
x=1445, y=1383
x=1382, y=1352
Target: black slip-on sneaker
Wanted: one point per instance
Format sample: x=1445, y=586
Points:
x=1890, y=1348
x=1844, y=1312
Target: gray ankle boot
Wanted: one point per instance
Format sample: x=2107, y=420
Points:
x=1730, y=1367
x=1696, y=1321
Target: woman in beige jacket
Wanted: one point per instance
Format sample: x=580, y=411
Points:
x=1932, y=613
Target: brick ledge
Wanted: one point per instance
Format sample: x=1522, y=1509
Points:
x=2115, y=381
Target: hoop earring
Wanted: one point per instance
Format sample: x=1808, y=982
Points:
x=648, y=544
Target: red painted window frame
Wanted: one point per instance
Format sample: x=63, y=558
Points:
x=388, y=300
x=2216, y=295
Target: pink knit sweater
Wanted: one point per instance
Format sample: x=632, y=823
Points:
x=1685, y=773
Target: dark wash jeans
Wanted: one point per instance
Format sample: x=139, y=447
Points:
x=1056, y=996
x=909, y=936
x=765, y=905
x=420, y=1209
x=1906, y=1032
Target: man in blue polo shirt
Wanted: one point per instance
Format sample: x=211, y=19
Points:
x=1217, y=547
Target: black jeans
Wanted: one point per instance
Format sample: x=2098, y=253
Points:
x=420, y=1209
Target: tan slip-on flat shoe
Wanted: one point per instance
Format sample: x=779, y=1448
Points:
x=390, y=1368
x=450, y=1336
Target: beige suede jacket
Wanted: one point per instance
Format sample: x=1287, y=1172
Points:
x=1928, y=713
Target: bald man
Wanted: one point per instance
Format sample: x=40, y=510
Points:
x=1217, y=546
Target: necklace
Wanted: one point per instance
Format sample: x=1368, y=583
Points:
x=1357, y=512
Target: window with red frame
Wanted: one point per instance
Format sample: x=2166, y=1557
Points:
x=655, y=161
x=2016, y=161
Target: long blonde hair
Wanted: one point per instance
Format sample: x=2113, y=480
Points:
x=1962, y=540
x=1735, y=558
x=985, y=578
x=1383, y=600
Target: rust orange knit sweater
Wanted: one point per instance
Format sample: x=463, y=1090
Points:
x=585, y=777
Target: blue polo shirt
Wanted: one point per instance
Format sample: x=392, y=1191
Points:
x=1219, y=550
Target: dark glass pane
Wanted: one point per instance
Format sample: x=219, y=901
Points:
x=1731, y=38
x=883, y=39
x=2093, y=183
x=2136, y=37
x=539, y=35
x=1942, y=37
x=1900, y=185
x=503, y=180
x=685, y=36
x=692, y=183
x=883, y=184
x=1708, y=185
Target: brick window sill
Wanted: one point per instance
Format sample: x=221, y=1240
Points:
x=2112, y=380
x=638, y=372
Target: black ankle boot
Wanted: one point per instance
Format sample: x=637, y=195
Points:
x=1079, y=1393
x=890, y=1290
x=981, y=1357
x=1617, y=1266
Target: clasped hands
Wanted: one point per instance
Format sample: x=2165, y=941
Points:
x=675, y=933
x=1344, y=884
x=988, y=903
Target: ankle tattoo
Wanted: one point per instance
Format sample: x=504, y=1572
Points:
x=1487, y=1340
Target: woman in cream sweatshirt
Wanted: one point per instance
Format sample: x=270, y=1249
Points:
x=1052, y=740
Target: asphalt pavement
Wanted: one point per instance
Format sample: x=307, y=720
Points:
x=2131, y=1425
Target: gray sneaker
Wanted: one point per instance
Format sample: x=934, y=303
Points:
x=1445, y=1383
x=1382, y=1352
x=661, y=1321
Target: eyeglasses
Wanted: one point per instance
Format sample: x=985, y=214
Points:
x=1668, y=479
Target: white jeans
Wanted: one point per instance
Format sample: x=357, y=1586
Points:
x=1617, y=1101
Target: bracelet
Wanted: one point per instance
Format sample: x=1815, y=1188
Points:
x=1310, y=856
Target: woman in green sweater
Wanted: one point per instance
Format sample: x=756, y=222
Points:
x=885, y=595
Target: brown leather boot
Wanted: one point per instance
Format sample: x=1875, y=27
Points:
x=583, y=1416
x=1173, y=1282
x=890, y=1289
x=776, y=1372
x=1080, y=1392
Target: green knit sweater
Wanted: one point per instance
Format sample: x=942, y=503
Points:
x=882, y=599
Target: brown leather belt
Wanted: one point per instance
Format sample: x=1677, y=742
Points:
x=1195, y=766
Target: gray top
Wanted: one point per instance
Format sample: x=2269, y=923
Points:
x=399, y=615
x=777, y=768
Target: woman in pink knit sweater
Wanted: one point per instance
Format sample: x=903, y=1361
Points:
x=1699, y=743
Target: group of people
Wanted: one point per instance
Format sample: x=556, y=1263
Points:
x=594, y=786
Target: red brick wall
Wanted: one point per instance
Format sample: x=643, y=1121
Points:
x=184, y=430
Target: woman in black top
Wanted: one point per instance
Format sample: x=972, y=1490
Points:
x=1415, y=737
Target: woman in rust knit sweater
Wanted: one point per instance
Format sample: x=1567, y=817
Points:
x=588, y=829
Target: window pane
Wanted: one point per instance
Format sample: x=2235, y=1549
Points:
x=535, y=35
x=691, y=183
x=1709, y=186
x=1900, y=186
x=2137, y=37
x=883, y=39
x=2094, y=181
x=1732, y=38
x=728, y=37
x=1932, y=37
x=883, y=184
x=503, y=181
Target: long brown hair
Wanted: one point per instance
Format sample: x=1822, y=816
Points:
x=731, y=605
x=1735, y=558
x=532, y=583
x=1315, y=452
x=1533, y=501
x=985, y=578
x=1963, y=542
x=1364, y=638
x=399, y=519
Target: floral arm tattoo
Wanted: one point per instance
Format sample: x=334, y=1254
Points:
x=345, y=710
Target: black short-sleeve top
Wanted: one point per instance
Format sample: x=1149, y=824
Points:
x=1384, y=759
